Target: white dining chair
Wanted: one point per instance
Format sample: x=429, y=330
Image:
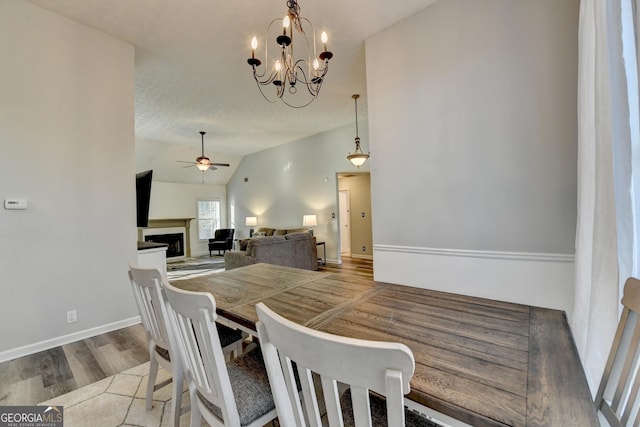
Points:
x=231, y=394
x=617, y=398
x=294, y=353
x=148, y=287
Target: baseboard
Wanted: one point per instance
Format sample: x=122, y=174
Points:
x=66, y=339
x=538, y=279
x=357, y=256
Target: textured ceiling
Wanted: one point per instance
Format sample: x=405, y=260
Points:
x=192, y=74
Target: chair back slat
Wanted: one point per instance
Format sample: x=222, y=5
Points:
x=617, y=396
x=361, y=408
x=193, y=317
x=332, y=401
x=309, y=395
x=146, y=285
x=628, y=388
x=382, y=367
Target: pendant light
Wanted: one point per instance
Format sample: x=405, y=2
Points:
x=358, y=157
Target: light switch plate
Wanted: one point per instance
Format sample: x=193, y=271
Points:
x=15, y=204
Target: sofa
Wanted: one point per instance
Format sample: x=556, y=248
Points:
x=296, y=249
x=267, y=231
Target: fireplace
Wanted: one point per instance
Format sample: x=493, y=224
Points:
x=174, y=240
x=159, y=227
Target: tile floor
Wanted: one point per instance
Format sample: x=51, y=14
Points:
x=119, y=400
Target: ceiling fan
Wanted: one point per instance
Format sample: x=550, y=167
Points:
x=203, y=163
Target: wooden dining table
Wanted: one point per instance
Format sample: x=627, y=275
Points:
x=482, y=362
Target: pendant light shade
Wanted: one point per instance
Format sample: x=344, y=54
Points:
x=358, y=157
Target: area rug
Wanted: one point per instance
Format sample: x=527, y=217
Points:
x=194, y=267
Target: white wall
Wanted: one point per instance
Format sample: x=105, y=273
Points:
x=67, y=146
x=478, y=132
x=295, y=179
x=171, y=200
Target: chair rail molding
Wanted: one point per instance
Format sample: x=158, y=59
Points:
x=538, y=279
x=523, y=256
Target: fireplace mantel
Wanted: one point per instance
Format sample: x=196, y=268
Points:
x=168, y=223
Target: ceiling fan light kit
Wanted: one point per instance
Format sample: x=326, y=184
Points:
x=358, y=157
x=287, y=73
x=203, y=163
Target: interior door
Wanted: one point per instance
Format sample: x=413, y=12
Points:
x=345, y=229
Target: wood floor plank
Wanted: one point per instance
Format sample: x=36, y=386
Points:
x=44, y=375
x=550, y=335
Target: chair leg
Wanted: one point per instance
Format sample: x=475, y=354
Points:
x=238, y=350
x=151, y=381
x=196, y=416
x=176, y=395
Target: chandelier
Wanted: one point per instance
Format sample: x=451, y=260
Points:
x=297, y=82
x=358, y=157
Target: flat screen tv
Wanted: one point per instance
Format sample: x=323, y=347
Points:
x=143, y=197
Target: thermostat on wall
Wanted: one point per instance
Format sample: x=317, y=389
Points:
x=15, y=204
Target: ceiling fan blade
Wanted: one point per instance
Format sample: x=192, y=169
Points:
x=188, y=166
x=220, y=164
x=182, y=161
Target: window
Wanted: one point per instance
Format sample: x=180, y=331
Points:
x=208, y=218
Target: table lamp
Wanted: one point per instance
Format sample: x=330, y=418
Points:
x=251, y=221
x=309, y=221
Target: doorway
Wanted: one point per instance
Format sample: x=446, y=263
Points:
x=354, y=209
x=344, y=205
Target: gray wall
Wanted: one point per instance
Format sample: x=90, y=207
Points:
x=474, y=166
x=478, y=129
x=295, y=179
x=67, y=146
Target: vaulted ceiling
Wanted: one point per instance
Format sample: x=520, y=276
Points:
x=192, y=74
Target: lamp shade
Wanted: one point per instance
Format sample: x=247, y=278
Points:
x=251, y=221
x=309, y=221
x=358, y=159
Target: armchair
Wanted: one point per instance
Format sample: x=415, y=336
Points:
x=222, y=240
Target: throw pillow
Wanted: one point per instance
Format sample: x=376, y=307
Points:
x=298, y=236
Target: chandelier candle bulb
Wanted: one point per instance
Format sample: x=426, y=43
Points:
x=254, y=45
x=324, y=39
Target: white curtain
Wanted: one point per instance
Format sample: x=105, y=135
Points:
x=606, y=243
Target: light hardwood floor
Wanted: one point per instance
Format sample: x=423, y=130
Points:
x=42, y=376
